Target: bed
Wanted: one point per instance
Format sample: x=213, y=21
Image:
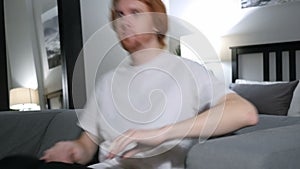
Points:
x=275, y=141
x=270, y=65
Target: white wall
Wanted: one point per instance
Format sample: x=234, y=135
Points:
x=277, y=23
x=268, y=24
x=19, y=50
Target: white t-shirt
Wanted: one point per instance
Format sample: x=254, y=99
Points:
x=166, y=90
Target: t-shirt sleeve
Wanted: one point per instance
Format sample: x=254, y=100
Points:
x=210, y=88
x=218, y=88
x=89, y=118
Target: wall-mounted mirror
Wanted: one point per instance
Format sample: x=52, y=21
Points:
x=43, y=41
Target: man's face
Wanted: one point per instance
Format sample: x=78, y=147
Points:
x=134, y=25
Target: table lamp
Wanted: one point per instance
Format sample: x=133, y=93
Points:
x=24, y=99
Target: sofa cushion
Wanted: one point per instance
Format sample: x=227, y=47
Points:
x=294, y=109
x=271, y=99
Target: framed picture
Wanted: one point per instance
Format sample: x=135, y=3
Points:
x=51, y=37
x=256, y=3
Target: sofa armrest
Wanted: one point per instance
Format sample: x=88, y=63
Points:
x=274, y=148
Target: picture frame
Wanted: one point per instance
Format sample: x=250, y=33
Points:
x=51, y=37
x=258, y=3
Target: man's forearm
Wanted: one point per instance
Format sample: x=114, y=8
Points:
x=229, y=115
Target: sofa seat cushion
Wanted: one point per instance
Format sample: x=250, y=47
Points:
x=275, y=148
x=270, y=121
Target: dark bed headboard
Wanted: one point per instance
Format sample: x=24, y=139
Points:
x=266, y=49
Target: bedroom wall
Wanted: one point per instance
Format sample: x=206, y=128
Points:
x=267, y=24
x=19, y=51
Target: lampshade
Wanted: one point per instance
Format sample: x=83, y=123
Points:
x=23, y=99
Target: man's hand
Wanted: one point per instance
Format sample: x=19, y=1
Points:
x=66, y=151
x=77, y=151
x=145, y=140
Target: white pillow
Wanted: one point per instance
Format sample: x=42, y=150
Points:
x=294, y=109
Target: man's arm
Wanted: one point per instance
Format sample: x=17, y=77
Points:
x=231, y=113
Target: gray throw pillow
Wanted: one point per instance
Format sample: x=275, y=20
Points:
x=274, y=99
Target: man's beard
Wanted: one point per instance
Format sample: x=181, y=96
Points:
x=135, y=42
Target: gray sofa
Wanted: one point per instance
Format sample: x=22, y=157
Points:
x=272, y=144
